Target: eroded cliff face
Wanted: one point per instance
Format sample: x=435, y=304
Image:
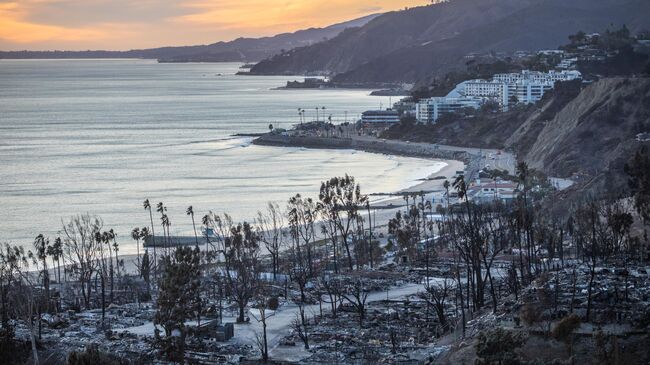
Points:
x=591, y=132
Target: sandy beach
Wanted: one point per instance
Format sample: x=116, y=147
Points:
x=381, y=215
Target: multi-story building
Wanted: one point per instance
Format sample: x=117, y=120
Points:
x=529, y=92
x=524, y=87
x=528, y=86
x=494, y=90
x=405, y=108
x=379, y=118
x=429, y=110
x=536, y=76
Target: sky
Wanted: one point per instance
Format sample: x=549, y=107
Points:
x=134, y=24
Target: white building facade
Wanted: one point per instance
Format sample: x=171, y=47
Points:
x=524, y=87
x=380, y=118
x=429, y=110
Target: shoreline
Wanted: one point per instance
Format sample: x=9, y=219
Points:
x=454, y=160
x=388, y=203
x=385, y=207
x=375, y=145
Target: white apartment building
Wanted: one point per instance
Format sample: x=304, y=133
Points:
x=529, y=92
x=524, y=87
x=528, y=86
x=429, y=110
x=537, y=76
x=494, y=90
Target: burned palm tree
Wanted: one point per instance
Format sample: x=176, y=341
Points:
x=190, y=212
x=136, y=235
x=55, y=251
x=147, y=206
x=42, y=244
x=206, y=232
x=116, y=248
x=166, y=223
x=160, y=208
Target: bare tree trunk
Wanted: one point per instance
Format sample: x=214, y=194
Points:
x=592, y=275
x=460, y=292
x=103, y=298
x=32, y=336
x=241, y=313
x=573, y=291
x=347, y=249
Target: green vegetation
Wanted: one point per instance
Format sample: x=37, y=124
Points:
x=178, y=300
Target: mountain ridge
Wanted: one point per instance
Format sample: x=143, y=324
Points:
x=240, y=49
x=419, y=43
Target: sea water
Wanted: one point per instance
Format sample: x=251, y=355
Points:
x=100, y=136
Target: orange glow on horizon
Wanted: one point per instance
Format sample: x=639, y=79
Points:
x=128, y=24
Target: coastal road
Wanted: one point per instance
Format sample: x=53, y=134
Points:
x=495, y=158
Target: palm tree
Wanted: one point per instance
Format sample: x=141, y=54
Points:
x=164, y=219
x=56, y=253
x=53, y=252
x=42, y=246
x=106, y=238
x=100, y=239
x=147, y=206
x=136, y=235
x=144, y=233
x=206, y=223
x=160, y=208
x=190, y=212
x=116, y=247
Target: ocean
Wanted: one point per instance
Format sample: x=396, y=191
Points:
x=100, y=136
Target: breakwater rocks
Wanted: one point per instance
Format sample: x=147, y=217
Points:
x=400, y=148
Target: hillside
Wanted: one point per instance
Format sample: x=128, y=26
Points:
x=516, y=129
x=595, y=129
x=588, y=133
x=411, y=45
x=241, y=49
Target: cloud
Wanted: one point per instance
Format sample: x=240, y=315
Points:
x=14, y=28
x=124, y=24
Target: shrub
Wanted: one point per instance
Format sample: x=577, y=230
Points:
x=565, y=327
x=92, y=356
x=498, y=347
x=530, y=314
x=12, y=351
x=273, y=303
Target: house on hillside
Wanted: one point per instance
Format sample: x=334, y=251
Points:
x=484, y=191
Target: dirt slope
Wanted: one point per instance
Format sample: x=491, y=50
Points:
x=595, y=129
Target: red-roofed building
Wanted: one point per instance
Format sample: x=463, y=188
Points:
x=488, y=191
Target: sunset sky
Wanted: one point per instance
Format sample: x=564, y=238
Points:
x=128, y=24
